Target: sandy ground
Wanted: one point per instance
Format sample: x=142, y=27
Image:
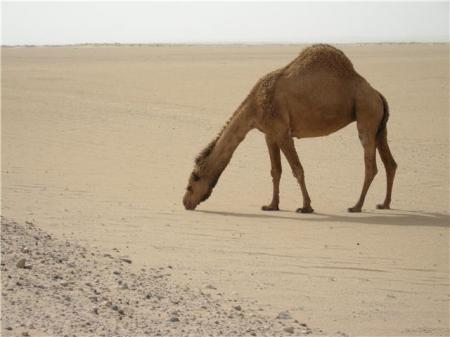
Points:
x=84, y=292
x=98, y=143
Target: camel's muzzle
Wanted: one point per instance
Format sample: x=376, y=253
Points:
x=188, y=205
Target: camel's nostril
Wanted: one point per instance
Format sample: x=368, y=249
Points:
x=188, y=205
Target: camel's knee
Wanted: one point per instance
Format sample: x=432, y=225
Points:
x=371, y=171
x=391, y=168
x=374, y=172
x=392, y=165
x=276, y=173
x=386, y=156
x=298, y=173
x=364, y=139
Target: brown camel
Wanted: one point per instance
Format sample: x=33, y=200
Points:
x=315, y=95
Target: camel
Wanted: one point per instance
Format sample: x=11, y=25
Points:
x=316, y=94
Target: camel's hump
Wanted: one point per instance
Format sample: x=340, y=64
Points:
x=323, y=56
x=316, y=58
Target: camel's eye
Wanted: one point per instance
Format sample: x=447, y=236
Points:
x=195, y=177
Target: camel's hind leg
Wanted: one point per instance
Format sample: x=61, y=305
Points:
x=288, y=148
x=390, y=166
x=275, y=162
x=369, y=143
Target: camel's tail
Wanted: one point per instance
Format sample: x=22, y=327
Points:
x=382, y=127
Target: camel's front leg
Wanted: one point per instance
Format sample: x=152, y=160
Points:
x=275, y=162
x=288, y=148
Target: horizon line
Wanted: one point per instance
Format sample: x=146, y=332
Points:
x=210, y=44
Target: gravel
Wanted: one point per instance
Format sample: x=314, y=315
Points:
x=73, y=290
x=284, y=315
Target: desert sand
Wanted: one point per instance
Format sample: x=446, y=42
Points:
x=98, y=143
x=55, y=287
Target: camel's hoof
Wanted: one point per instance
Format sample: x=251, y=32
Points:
x=305, y=210
x=383, y=206
x=354, y=209
x=270, y=208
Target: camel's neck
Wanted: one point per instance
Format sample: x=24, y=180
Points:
x=229, y=139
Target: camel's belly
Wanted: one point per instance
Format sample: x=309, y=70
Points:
x=320, y=116
x=318, y=123
x=306, y=130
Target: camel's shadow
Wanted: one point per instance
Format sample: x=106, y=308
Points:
x=406, y=218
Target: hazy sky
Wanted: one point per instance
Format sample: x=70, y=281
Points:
x=220, y=22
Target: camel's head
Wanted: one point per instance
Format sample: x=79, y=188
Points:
x=203, y=178
x=199, y=189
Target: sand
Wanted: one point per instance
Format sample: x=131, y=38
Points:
x=98, y=143
x=58, y=288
